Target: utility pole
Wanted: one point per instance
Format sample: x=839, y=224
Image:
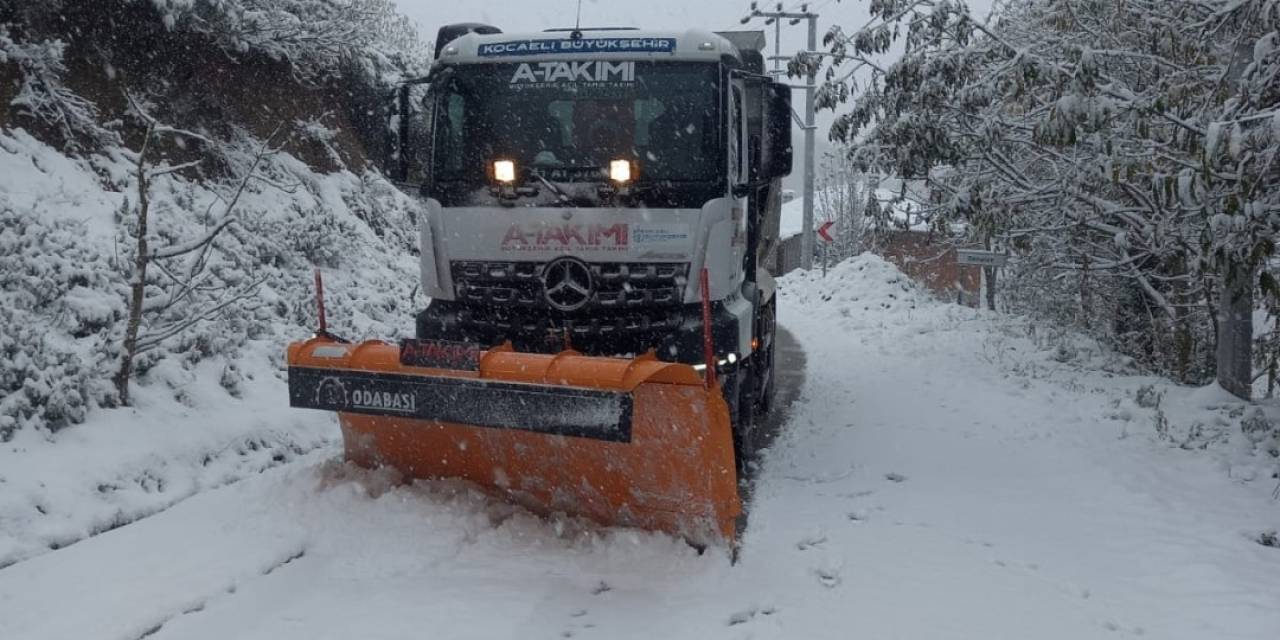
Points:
x=777, y=44
x=776, y=17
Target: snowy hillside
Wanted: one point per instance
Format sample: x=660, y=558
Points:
x=945, y=473
x=196, y=420
x=248, y=189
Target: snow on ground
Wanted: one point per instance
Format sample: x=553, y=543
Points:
x=129, y=463
x=947, y=473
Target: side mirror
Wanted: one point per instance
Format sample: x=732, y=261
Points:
x=777, y=140
x=405, y=131
x=398, y=130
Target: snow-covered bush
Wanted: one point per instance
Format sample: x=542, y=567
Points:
x=64, y=274
x=57, y=300
x=76, y=92
x=43, y=94
x=1261, y=431
x=319, y=37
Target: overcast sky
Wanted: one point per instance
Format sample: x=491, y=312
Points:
x=715, y=15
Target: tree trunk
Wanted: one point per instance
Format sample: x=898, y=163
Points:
x=137, y=288
x=1235, y=331
x=1086, y=294
x=990, y=274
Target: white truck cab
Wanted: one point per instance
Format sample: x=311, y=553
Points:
x=578, y=182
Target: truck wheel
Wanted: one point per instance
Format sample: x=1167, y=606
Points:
x=744, y=425
x=764, y=368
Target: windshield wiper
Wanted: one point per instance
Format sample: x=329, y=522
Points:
x=560, y=194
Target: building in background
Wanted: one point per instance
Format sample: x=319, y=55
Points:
x=903, y=237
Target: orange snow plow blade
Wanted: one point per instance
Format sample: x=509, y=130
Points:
x=629, y=442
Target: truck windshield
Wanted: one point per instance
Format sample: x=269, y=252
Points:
x=566, y=120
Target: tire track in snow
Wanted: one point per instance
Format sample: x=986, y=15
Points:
x=249, y=457
x=229, y=591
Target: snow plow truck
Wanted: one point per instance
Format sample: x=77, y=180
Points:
x=602, y=210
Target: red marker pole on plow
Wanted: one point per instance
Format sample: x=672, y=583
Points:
x=324, y=329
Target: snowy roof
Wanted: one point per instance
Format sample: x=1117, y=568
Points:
x=792, y=218
x=901, y=210
x=596, y=44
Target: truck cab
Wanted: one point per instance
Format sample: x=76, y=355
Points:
x=578, y=182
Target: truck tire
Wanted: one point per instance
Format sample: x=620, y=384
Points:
x=765, y=358
x=744, y=416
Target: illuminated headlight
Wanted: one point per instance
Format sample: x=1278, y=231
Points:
x=504, y=171
x=620, y=170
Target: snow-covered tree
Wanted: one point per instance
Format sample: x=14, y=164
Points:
x=841, y=195
x=179, y=294
x=319, y=37
x=1124, y=149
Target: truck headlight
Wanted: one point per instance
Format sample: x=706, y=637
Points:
x=504, y=171
x=620, y=171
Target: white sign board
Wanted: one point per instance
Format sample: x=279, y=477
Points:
x=981, y=258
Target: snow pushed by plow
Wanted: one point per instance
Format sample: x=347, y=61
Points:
x=944, y=474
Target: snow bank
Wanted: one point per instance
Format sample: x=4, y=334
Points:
x=861, y=283
x=868, y=294
x=207, y=398
x=209, y=401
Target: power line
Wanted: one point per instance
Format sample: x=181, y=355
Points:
x=791, y=8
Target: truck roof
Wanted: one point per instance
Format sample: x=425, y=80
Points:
x=594, y=44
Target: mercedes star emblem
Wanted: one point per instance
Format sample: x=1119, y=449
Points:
x=567, y=284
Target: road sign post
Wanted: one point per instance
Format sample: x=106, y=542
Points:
x=827, y=240
x=824, y=231
x=988, y=260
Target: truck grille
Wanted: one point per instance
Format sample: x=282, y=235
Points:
x=515, y=322
x=618, y=286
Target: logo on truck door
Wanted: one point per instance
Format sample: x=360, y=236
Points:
x=566, y=237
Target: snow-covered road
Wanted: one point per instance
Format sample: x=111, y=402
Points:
x=939, y=477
